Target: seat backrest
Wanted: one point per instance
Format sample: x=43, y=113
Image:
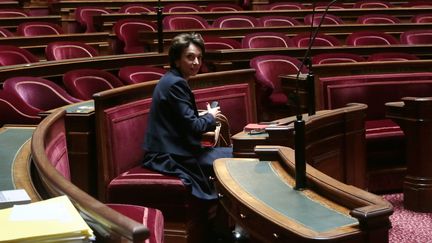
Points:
x=422, y=18
x=127, y=31
x=327, y=58
x=363, y=38
x=235, y=21
x=416, y=37
x=139, y=74
x=372, y=4
x=61, y=50
x=4, y=13
x=302, y=40
x=277, y=20
x=329, y=19
x=39, y=28
x=83, y=83
x=12, y=55
x=391, y=56
x=225, y=7
x=84, y=16
x=5, y=33
x=136, y=8
x=39, y=93
x=284, y=6
x=219, y=43
x=377, y=19
x=266, y=39
x=14, y=111
x=184, y=21
x=182, y=8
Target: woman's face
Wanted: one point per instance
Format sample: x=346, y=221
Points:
x=190, y=61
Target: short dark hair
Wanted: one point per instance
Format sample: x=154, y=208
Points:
x=181, y=42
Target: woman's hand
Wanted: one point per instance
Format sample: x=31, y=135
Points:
x=213, y=111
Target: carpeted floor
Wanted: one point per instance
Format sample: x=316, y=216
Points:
x=408, y=226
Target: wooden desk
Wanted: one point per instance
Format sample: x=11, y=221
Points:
x=13, y=22
x=414, y=115
x=259, y=195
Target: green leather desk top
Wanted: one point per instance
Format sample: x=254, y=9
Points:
x=11, y=141
x=259, y=180
x=82, y=107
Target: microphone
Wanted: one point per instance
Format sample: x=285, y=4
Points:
x=299, y=124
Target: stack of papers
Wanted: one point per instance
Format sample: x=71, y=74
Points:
x=52, y=220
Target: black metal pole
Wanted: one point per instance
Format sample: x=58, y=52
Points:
x=160, y=27
x=300, y=153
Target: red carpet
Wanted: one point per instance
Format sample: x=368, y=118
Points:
x=408, y=226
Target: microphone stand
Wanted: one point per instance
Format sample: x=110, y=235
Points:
x=299, y=124
x=160, y=27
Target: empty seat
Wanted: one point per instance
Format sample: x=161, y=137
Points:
x=392, y=56
x=12, y=55
x=362, y=38
x=328, y=58
x=329, y=19
x=182, y=7
x=377, y=19
x=61, y=50
x=265, y=40
x=372, y=4
x=14, y=111
x=273, y=20
x=284, y=6
x=219, y=43
x=83, y=83
x=303, y=39
x=39, y=28
x=416, y=37
x=5, y=33
x=236, y=21
x=4, y=13
x=184, y=21
x=218, y=7
x=127, y=31
x=84, y=16
x=38, y=93
x=139, y=74
x=422, y=18
x=136, y=8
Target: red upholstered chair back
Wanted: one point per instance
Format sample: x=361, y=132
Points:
x=302, y=40
x=39, y=28
x=14, y=111
x=372, y=4
x=219, y=43
x=39, y=93
x=377, y=19
x=84, y=16
x=284, y=6
x=136, y=8
x=127, y=31
x=61, y=50
x=273, y=20
x=217, y=7
x=235, y=21
x=416, y=37
x=139, y=74
x=266, y=39
x=182, y=8
x=364, y=38
x=422, y=18
x=83, y=83
x=391, y=56
x=184, y=21
x=11, y=55
x=339, y=57
x=4, y=13
x=5, y=33
x=329, y=19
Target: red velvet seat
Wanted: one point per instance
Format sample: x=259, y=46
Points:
x=364, y=38
x=84, y=16
x=338, y=57
x=422, y=18
x=416, y=37
x=5, y=13
x=12, y=55
x=83, y=83
x=127, y=31
x=136, y=8
x=5, y=33
x=38, y=93
x=182, y=8
x=139, y=74
x=391, y=56
x=217, y=7
x=39, y=28
x=284, y=6
x=303, y=39
x=184, y=21
x=235, y=21
x=372, y=4
x=266, y=39
x=14, y=111
x=377, y=19
x=219, y=43
x=274, y=20
x=61, y=50
x=329, y=19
